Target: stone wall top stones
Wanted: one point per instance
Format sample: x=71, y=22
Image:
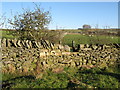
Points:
x=42, y=44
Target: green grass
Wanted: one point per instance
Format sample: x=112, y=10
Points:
x=70, y=78
x=6, y=34
x=79, y=39
x=85, y=39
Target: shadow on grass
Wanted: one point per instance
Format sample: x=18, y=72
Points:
x=71, y=85
x=8, y=83
x=114, y=75
x=117, y=76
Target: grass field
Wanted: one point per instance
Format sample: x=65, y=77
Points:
x=5, y=34
x=78, y=38
x=70, y=78
x=85, y=39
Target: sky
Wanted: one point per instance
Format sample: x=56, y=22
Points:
x=72, y=15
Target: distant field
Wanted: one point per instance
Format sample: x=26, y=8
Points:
x=78, y=38
x=85, y=39
x=5, y=34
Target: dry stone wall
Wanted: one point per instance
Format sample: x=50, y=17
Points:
x=45, y=46
x=42, y=44
x=27, y=56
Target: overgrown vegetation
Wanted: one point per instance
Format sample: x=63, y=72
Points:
x=69, y=78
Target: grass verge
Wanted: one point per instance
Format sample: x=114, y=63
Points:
x=69, y=78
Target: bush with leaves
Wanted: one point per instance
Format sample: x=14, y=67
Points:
x=31, y=24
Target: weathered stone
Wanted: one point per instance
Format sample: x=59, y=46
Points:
x=51, y=45
x=37, y=45
x=67, y=48
x=116, y=45
x=7, y=61
x=94, y=47
x=77, y=63
x=66, y=62
x=42, y=54
x=53, y=52
x=44, y=63
x=65, y=53
x=14, y=41
x=30, y=44
x=8, y=44
x=33, y=44
x=35, y=60
x=18, y=43
x=11, y=68
x=47, y=44
x=4, y=42
x=82, y=54
x=61, y=47
x=94, y=62
x=23, y=43
x=43, y=44
x=87, y=49
x=40, y=46
x=81, y=46
x=26, y=44
x=86, y=46
x=72, y=64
